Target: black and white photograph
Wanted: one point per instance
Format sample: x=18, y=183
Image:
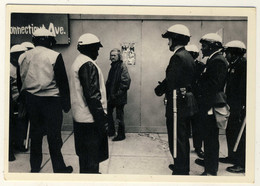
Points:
x=125, y=93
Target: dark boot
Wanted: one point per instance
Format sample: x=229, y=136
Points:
x=199, y=152
x=200, y=162
x=11, y=156
x=11, y=152
x=120, y=134
x=67, y=169
x=236, y=169
x=111, y=132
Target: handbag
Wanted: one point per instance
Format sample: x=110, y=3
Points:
x=221, y=110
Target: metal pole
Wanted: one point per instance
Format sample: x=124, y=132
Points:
x=239, y=135
x=174, y=124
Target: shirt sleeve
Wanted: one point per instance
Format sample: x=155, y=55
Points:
x=89, y=80
x=62, y=83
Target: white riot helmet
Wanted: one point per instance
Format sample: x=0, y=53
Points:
x=18, y=48
x=43, y=37
x=212, y=39
x=236, y=45
x=179, y=33
x=177, y=29
x=192, y=48
x=28, y=45
x=89, y=39
x=42, y=32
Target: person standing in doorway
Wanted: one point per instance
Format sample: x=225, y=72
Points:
x=236, y=99
x=179, y=77
x=89, y=106
x=210, y=83
x=46, y=91
x=117, y=84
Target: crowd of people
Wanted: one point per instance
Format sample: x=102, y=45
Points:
x=40, y=92
x=196, y=92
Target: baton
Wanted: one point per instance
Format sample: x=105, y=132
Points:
x=27, y=136
x=240, y=135
x=174, y=124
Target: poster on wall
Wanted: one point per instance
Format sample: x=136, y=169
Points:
x=24, y=24
x=128, y=53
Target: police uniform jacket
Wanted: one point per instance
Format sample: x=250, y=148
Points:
x=179, y=74
x=236, y=85
x=211, y=81
x=118, y=83
x=199, y=67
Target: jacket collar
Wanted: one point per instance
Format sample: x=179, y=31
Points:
x=87, y=58
x=116, y=62
x=177, y=48
x=214, y=53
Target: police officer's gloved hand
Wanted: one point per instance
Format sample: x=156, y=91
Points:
x=160, y=89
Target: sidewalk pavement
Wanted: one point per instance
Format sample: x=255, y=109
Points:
x=139, y=153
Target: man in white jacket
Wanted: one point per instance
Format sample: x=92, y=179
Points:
x=45, y=88
x=89, y=105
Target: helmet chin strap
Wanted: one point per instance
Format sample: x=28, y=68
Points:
x=234, y=61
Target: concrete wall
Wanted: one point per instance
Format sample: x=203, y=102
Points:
x=144, y=111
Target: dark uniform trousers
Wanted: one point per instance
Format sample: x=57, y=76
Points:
x=236, y=98
x=182, y=162
x=211, y=142
x=45, y=114
x=232, y=131
x=196, y=131
x=21, y=125
x=119, y=117
x=91, y=146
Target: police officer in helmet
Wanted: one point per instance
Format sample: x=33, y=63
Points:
x=210, y=83
x=236, y=99
x=179, y=76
